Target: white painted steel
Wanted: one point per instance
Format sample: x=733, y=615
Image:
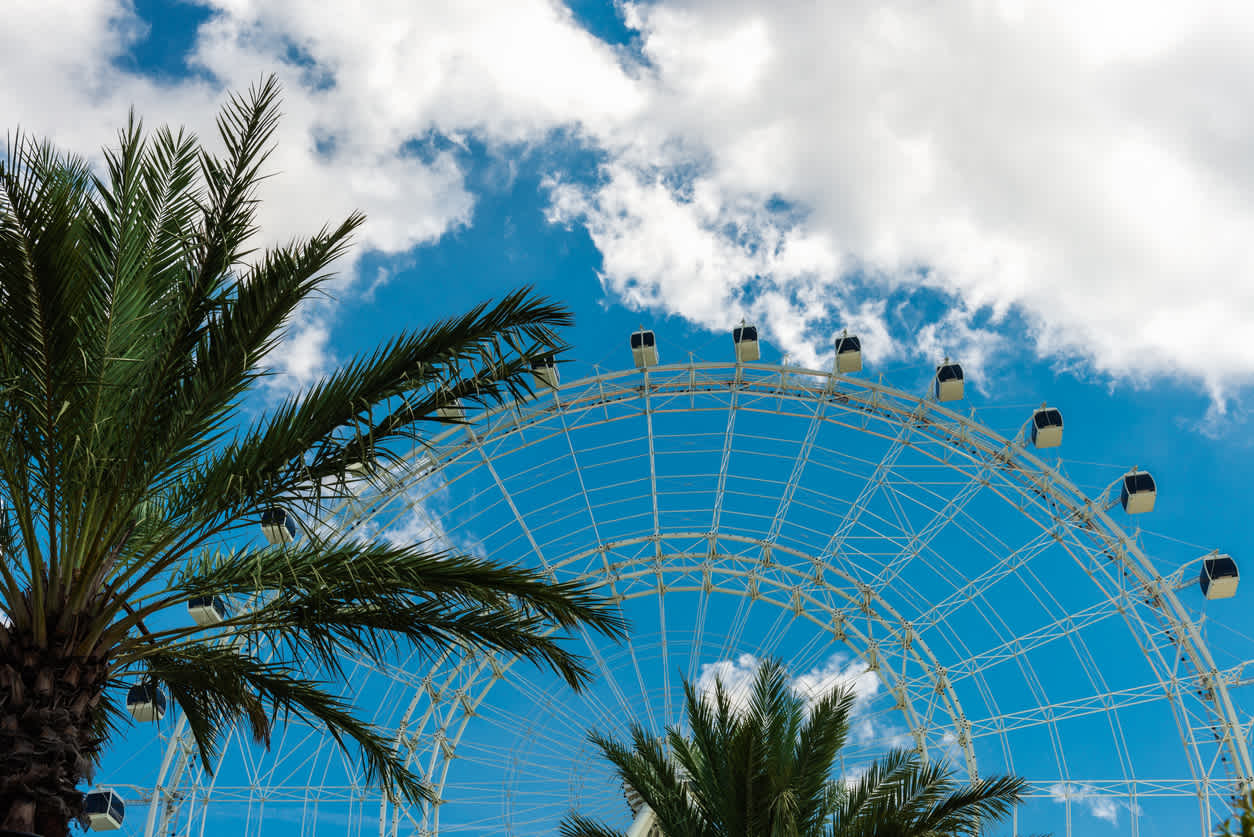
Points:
x=855, y=586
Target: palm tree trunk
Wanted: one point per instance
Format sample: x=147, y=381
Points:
x=48, y=740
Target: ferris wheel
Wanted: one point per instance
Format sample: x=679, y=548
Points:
x=986, y=610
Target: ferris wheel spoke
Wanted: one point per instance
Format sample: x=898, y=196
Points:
x=724, y=466
x=836, y=543
x=922, y=540
x=548, y=568
x=1011, y=563
x=1017, y=646
x=798, y=466
x=1111, y=701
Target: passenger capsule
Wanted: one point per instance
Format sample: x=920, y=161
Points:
x=207, y=611
x=643, y=349
x=745, y=338
x=1138, y=492
x=544, y=369
x=848, y=354
x=146, y=702
x=278, y=525
x=104, y=810
x=450, y=407
x=1219, y=577
x=948, y=381
x=1046, y=427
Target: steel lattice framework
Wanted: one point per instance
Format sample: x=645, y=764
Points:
x=979, y=597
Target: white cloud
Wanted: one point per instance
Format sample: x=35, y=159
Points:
x=1026, y=157
x=303, y=357
x=839, y=671
x=1082, y=168
x=1089, y=798
x=366, y=93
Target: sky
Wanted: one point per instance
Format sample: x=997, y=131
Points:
x=1051, y=193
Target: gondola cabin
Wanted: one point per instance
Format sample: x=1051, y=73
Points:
x=1138, y=492
x=104, y=810
x=545, y=370
x=848, y=354
x=146, y=702
x=450, y=408
x=1047, y=428
x=278, y=525
x=745, y=338
x=948, y=381
x=1219, y=577
x=207, y=611
x=643, y=349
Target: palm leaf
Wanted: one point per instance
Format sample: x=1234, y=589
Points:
x=217, y=686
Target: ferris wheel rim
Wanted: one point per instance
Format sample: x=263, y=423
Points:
x=877, y=397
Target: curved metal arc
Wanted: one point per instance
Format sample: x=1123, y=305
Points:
x=877, y=401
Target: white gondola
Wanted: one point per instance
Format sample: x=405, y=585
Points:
x=848, y=354
x=643, y=349
x=948, y=381
x=545, y=370
x=1047, y=427
x=451, y=408
x=146, y=702
x=1138, y=492
x=104, y=810
x=745, y=338
x=278, y=525
x=1219, y=577
x=207, y=611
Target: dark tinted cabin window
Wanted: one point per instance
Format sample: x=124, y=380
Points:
x=1142, y=482
x=1221, y=567
x=641, y=338
x=274, y=516
x=952, y=372
x=849, y=344
x=739, y=335
x=1048, y=418
x=96, y=803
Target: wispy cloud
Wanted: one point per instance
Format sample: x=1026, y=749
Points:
x=1090, y=799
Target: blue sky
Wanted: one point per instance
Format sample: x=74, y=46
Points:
x=1058, y=199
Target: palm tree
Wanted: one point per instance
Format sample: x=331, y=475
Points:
x=767, y=771
x=1241, y=823
x=133, y=321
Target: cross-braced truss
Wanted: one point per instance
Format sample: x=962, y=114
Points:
x=986, y=610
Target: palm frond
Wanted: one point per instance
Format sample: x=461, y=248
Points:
x=337, y=600
x=217, y=687
x=481, y=358
x=577, y=825
x=966, y=807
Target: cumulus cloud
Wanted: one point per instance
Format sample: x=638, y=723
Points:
x=929, y=175
x=1078, y=167
x=377, y=100
x=839, y=671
